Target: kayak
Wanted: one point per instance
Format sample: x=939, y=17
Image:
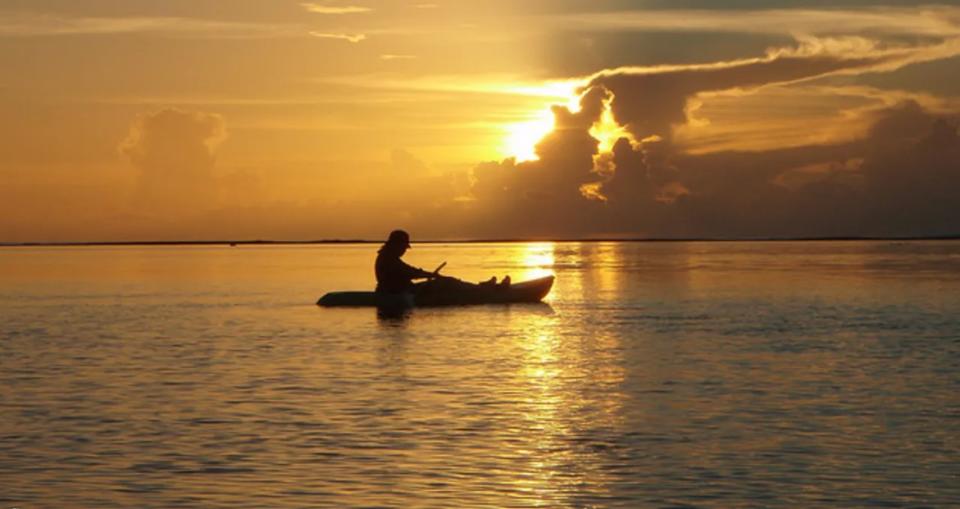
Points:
x=455, y=293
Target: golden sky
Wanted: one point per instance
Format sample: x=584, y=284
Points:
x=253, y=119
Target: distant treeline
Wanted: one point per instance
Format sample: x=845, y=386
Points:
x=459, y=241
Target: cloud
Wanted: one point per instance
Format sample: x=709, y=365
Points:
x=353, y=38
x=654, y=100
x=390, y=56
x=536, y=197
x=805, y=114
x=897, y=175
x=659, y=188
x=330, y=9
x=912, y=173
x=901, y=179
x=174, y=154
x=492, y=84
x=651, y=100
x=930, y=21
x=406, y=163
x=26, y=25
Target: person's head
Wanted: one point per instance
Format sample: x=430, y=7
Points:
x=398, y=241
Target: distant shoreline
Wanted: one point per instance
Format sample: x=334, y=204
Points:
x=463, y=241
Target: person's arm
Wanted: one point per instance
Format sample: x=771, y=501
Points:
x=415, y=272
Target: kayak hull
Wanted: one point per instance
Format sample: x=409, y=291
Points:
x=460, y=294
x=366, y=299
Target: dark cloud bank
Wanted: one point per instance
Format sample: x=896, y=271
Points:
x=901, y=180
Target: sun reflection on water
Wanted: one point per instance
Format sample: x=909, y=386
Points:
x=537, y=260
x=608, y=261
x=564, y=404
x=543, y=401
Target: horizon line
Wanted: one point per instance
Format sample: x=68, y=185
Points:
x=475, y=241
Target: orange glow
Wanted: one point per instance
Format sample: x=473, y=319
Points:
x=607, y=131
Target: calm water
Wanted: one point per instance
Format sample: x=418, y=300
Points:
x=808, y=374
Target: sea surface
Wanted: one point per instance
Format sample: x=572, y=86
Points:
x=662, y=374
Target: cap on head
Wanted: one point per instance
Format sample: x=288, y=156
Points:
x=399, y=238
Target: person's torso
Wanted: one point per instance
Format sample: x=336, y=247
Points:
x=392, y=274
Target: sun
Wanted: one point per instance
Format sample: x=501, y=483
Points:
x=522, y=137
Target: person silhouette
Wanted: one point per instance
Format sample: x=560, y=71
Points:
x=393, y=274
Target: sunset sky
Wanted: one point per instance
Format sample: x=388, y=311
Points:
x=125, y=120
